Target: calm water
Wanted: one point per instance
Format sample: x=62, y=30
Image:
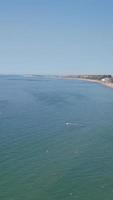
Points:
x=56, y=140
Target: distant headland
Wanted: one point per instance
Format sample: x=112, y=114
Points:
x=106, y=80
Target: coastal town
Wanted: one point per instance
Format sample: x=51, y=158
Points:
x=106, y=80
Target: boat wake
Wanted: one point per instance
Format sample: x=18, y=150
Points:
x=75, y=124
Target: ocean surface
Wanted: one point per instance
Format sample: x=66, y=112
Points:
x=56, y=139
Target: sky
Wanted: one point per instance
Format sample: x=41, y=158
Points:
x=56, y=37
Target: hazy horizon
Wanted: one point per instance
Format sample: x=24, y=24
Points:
x=36, y=74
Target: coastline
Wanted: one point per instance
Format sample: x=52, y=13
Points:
x=106, y=84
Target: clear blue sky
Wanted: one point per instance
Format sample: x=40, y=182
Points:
x=56, y=36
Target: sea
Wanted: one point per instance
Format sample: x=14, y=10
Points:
x=56, y=139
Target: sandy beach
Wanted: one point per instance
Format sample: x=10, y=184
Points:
x=106, y=84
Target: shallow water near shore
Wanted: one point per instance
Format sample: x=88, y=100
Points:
x=56, y=140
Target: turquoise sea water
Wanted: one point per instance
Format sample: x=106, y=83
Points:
x=56, y=140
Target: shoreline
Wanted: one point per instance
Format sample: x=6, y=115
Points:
x=106, y=84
